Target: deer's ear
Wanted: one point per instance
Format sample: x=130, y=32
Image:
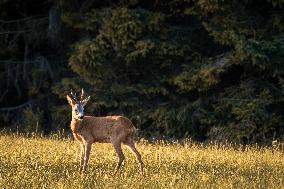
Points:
x=70, y=100
x=84, y=102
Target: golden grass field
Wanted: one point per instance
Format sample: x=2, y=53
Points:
x=37, y=162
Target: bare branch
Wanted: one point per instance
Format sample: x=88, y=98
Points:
x=16, y=107
x=13, y=32
x=3, y=95
x=49, y=70
x=17, y=62
x=22, y=19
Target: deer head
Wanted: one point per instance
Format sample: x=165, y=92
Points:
x=77, y=105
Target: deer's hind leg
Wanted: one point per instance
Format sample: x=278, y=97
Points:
x=117, y=147
x=131, y=146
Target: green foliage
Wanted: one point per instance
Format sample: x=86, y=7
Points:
x=33, y=120
x=206, y=69
x=250, y=114
x=266, y=56
x=133, y=60
x=202, y=79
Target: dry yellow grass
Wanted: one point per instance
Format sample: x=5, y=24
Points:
x=37, y=162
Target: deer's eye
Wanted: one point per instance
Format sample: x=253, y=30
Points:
x=76, y=111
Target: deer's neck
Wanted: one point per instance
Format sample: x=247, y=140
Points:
x=76, y=125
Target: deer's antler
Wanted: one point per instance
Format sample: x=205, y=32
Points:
x=74, y=96
x=82, y=95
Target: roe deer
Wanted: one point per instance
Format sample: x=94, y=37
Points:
x=109, y=129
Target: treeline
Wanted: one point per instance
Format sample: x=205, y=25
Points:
x=204, y=69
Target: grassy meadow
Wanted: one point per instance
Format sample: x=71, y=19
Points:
x=37, y=162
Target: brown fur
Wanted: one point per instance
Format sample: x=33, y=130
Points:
x=102, y=129
x=109, y=129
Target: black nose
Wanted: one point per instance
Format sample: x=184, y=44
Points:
x=81, y=117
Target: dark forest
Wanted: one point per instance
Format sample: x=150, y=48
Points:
x=200, y=69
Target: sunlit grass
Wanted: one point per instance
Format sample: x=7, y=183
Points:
x=37, y=162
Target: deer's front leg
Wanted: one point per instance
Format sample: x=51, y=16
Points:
x=121, y=157
x=88, y=146
x=82, y=155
